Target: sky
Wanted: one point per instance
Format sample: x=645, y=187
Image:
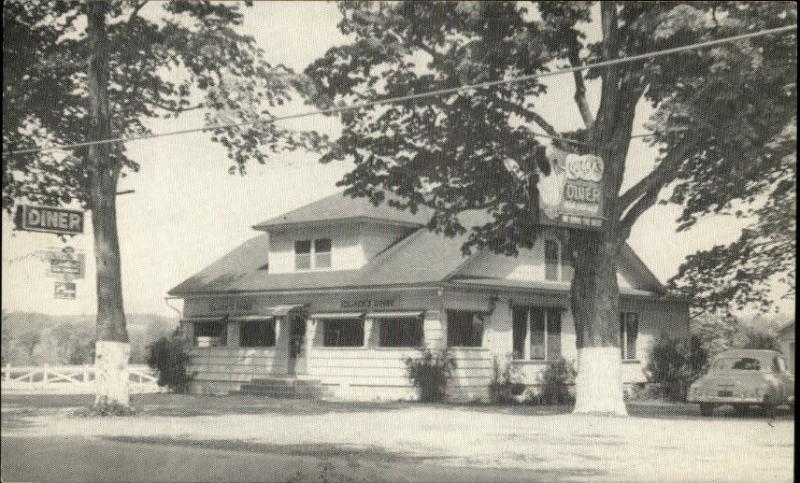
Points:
x=187, y=211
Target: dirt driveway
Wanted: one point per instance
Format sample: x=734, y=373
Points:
x=306, y=440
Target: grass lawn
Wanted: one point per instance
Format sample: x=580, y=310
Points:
x=315, y=440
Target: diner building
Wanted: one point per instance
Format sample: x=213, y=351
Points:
x=337, y=293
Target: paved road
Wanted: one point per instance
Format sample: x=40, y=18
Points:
x=70, y=459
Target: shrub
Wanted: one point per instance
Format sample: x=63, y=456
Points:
x=556, y=380
x=643, y=392
x=674, y=364
x=757, y=338
x=169, y=356
x=430, y=373
x=104, y=408
x=504, y=386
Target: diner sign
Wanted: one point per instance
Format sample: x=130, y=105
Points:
x=571, y=195
x=227, y=307
x=49, y=220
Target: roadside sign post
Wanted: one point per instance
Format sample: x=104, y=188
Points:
x=49, y=220
x=63, y=264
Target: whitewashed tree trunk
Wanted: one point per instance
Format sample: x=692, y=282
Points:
x=112, y=349
x=594, y=299
x=113, y=377
x=598, y=386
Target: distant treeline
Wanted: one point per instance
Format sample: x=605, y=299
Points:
x=34, y=339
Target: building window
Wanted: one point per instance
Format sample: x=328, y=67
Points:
x=343, y=333
x=567, y=265
x=322, y=253
x=464, y=329
x=257, y=333
x=316, y=255
x=400, y=332
x=210, y=334
x=519, y=331
x=551, y=259
x=628, y=332
x=302, y=254
x=541, y=327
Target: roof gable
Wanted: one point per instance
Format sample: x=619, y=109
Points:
x=422, y=257
x=337, y=207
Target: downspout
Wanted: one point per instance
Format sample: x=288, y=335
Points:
x=166, y=301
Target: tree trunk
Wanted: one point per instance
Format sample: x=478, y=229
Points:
x=112, y=349
x=595, y=308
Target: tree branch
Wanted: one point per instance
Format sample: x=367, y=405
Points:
x=580, y=86
x=135, y=12
x=171, y=108
x=661, y=175
x=609, y=90
x=642, y=205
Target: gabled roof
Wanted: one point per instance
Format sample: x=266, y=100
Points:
x=537, y=285
x=421, y=258
x=337, y=207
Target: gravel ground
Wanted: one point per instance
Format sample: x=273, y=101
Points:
x=656, y=443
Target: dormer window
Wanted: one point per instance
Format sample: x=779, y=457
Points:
x=302, y=254
x=322, y=253
x=311, y=255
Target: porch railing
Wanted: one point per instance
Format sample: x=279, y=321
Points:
x=69, y=379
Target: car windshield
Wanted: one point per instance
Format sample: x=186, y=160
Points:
x=737, y=364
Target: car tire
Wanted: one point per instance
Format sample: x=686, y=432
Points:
x=741, y=409
x=706, y=409
x=768, y=407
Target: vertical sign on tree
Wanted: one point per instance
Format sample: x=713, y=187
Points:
x=571, y=194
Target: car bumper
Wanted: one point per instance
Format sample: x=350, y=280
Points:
x=725, y=400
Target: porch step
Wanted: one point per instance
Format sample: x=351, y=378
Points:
x=284, y=388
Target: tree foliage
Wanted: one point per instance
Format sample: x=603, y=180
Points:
x=742, y=274
x=165, y=58
x=715, y=109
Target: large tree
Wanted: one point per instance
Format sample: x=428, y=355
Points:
x=76, y=71
x=714, y=111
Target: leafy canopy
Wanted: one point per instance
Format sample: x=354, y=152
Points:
x=165, y=58
x=743, y=274
x=715, y=109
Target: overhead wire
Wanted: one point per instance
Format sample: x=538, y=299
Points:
x=422, y=95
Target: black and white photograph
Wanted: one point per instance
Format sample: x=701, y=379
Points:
x=401, y=241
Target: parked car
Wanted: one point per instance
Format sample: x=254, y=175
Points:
x=743, y=378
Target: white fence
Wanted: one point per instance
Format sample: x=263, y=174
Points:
x=69, y=379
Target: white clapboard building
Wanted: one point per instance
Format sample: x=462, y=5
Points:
x=334, y=295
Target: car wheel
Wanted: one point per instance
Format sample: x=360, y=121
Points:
x=741, y=409
x=706, y=409
x=769, y=408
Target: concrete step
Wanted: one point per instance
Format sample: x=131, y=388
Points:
x=285, y=388
x=285, y=381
